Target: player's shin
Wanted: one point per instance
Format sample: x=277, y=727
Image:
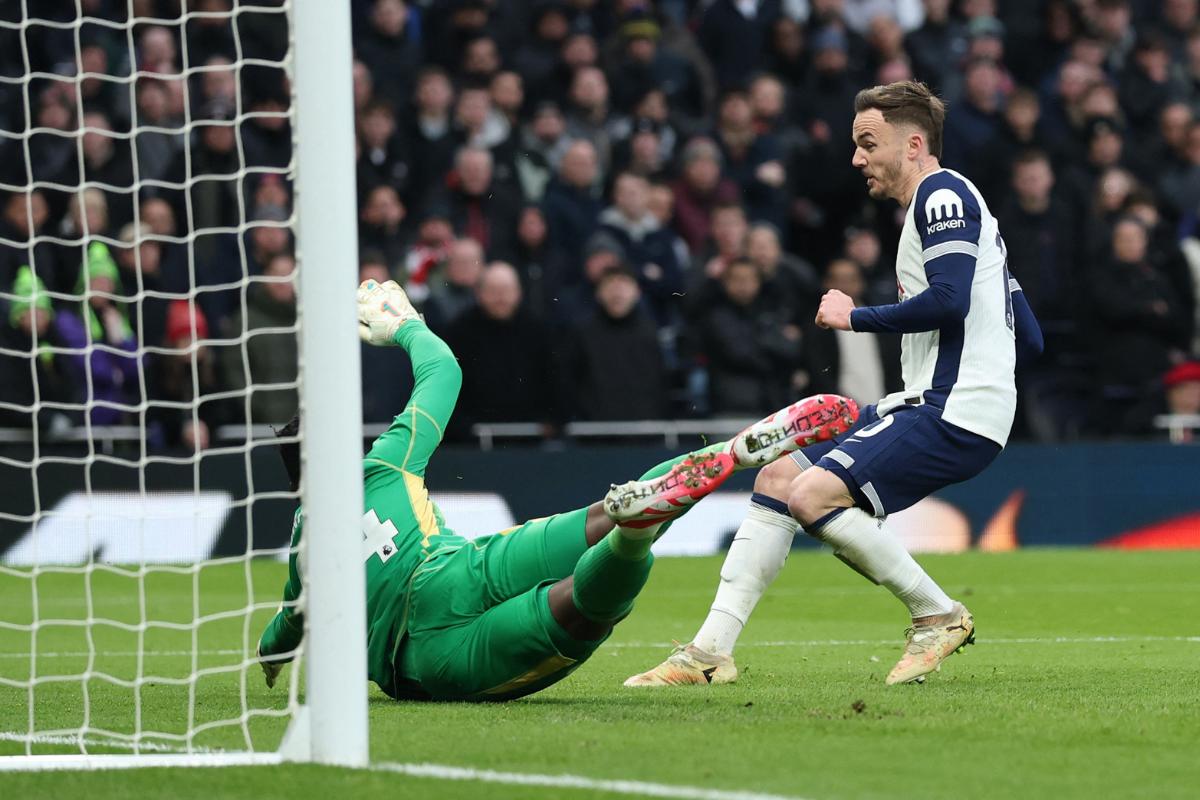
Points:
x=611, y=574
x=865, y=543
x=758, y=552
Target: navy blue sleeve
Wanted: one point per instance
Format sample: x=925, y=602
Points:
x=948, y=221
x=1029, y=334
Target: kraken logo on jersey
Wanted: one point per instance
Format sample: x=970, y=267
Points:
x=944, y=211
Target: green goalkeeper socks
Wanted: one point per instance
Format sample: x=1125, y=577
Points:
x=609, y=576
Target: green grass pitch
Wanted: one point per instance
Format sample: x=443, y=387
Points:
x=1085, y=683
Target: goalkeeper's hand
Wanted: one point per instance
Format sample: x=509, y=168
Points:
x=382, y=309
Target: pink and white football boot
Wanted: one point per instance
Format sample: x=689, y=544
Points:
x=641, y=504
x=814, y=419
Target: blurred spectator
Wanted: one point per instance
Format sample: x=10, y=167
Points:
x=381, y=226
x=790, y=281
x=572, y=201
x=104, y=377
x=786, y=54
x=87, y=218
x=614, y=369
x=381, y=160
x=644, y=65
x=1180, y=184
x=155, y=149
x=267, y=134
x=428, y=134
x=453, y=293
x=647, y=247
x=29, y=368
x=505, y=355
x=842, y=362
x=1147, y=84
x=108, y=160
x=733, y=34
x=602, y=252
x=1140, y=326
x=541, y=267
x=141, y=275
x=750, y=353
x=427, y=254
x=389, y=50
x=476, y=124
x=1019, y=131
x=976, y=120
x=189, y=374
x=480, y=208
x=752, y=160
x=537, y=59
x=210, y=173
x=936, y=45
x=544, y=144
x=271, y=355
x=729, y=230
x=25, y=216
x=1041, y=237
x=1182, y=385
x=862, y=246
x=699, y=189
x=589, y=115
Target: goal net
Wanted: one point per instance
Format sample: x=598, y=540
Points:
x=177, y=269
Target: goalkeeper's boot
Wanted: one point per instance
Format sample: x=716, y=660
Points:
x=278, y=643
x=814, y=419
x=640, y=504
x=688, y=665
x=930, y=643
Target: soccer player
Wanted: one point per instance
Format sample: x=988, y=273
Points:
x=511, y=613
x=964, y=321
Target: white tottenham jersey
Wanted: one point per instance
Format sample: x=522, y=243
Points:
x=965, y=369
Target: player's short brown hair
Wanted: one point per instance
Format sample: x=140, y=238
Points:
x=907, y=103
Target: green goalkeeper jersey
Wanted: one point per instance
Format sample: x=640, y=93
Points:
x=401, y=526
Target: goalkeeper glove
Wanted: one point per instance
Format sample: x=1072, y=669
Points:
x=382, y=309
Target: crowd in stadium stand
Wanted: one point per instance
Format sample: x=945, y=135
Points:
x=611, y=210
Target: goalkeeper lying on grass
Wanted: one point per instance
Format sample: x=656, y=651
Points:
x=511, y=613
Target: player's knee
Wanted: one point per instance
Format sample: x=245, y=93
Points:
x=808, y=497
x=775, y=479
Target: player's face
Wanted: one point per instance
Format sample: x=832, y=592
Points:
x=878, y=153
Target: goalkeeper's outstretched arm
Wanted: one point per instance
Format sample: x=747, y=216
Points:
x=386, y=317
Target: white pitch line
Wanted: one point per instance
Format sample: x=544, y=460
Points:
x=658, y=645
x=447, y=772
x=94, y=741
x=639, y=788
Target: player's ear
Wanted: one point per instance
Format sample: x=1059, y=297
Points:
x=914, y=144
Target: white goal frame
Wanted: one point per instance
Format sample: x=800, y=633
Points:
x=331, y=728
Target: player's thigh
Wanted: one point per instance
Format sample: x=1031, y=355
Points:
x=805, y=457
x=513, y=649
x=516, y=560
x=906, y=456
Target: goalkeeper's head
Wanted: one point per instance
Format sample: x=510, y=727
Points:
x=289, y=451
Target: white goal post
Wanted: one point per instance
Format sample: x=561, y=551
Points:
x=324, y=699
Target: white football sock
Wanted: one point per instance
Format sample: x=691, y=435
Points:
x=758, y=552
x=865, y=543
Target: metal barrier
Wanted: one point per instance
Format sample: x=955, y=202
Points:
x=1179, y=428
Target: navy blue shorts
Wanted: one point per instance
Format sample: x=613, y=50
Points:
x=891, y=462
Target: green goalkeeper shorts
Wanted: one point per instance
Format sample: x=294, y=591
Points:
x=479, y=622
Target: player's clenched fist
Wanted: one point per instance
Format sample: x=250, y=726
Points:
x=835, y=310
x=382, y=309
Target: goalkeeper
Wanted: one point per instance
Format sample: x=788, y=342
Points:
x=514, y=612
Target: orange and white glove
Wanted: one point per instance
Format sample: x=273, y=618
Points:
x=382, y=309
